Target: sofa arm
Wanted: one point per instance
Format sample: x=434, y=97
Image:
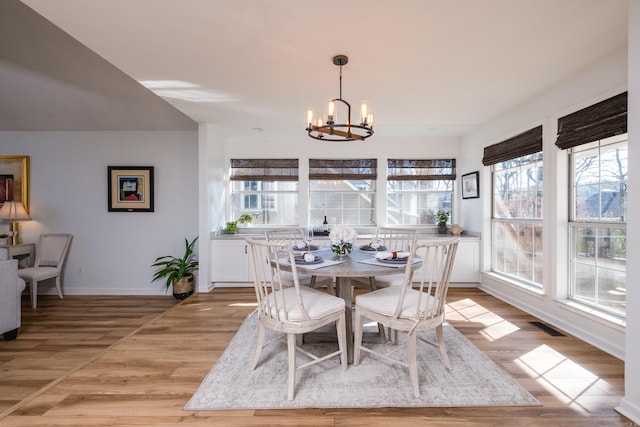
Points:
x=11, y=287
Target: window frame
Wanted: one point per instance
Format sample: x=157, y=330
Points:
x=416, y=173
x=355, y=173
x=605, y=264
x=257, y=174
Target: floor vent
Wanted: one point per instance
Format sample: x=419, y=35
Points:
x=548, y=329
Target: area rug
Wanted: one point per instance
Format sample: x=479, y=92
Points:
x=474, y=381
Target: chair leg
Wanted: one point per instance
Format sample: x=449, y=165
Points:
x=59, y=287
x=291, y=344
x=443, y=348
x=413, y=364
x=34, y=293
x=357, y=336
x=256, y=357
x=341, y=329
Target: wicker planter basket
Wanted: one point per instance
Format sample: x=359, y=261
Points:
x=183, y=288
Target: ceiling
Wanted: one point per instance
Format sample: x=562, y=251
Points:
x=428, y=68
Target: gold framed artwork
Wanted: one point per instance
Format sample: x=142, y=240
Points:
x=14, y=180
x=130, y=188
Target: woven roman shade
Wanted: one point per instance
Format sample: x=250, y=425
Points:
x=422, y=170
x=264, y=170
x=527, y=142
x=602, y=120
x=343, y=169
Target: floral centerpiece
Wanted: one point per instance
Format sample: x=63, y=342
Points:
x=342, y=238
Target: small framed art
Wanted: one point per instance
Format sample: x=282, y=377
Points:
x=130, y=188
x=470, y=187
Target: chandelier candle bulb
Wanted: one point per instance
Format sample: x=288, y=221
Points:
x=331, y=115
x=309, y=117
x=363, y=111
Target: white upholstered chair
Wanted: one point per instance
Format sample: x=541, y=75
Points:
x=293, y=237
x=51, y=252
x=393, y=239
x=409, y=308
x=291, y=310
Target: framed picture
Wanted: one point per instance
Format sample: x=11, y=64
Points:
x=470, y=187
x=14, y=180
x=130, y=188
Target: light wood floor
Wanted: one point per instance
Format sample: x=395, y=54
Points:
x=135, y=361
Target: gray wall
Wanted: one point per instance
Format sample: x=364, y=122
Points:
x=111, y=252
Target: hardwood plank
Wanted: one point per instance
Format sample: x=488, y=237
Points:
x=135, y=361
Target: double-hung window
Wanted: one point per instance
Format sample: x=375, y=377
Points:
x=596, y=139
x=343, y=190
x=418, y=189
x=266, y=189
x=516, y=232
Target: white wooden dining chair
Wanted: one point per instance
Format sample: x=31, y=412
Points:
x=409, y=308
x=51, y=252
x=293, y=237
x=392, y=239
x=291, y=310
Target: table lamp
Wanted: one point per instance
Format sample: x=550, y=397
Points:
x=15, y=212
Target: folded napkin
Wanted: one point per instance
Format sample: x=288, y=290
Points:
x=392, y=255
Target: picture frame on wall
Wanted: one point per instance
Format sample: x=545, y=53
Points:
x=14, y=180
x=470, y=185
x=130, y=188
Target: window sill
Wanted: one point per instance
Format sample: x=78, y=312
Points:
x=515, y=284
x=593, y=314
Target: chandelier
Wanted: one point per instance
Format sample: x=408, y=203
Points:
x=331, y=130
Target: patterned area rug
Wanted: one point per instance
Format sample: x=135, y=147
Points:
x=474, y=381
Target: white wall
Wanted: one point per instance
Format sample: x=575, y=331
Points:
x=69, y=194
x=599, y=80
x=630, y=405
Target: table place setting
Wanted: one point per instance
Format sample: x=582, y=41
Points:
x=391, y=259
x=311, y=262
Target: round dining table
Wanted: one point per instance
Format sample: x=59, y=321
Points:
x=350, y=267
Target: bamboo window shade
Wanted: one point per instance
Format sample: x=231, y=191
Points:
x=343, y=169
x=264, y=170
x=599, y=121
x=525, y=143
x=421, y=170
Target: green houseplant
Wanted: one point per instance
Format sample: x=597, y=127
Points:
x=245, y=219
x=443, y=218
x=178, y=272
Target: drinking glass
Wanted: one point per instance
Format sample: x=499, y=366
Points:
x=308, y=237
x=375, y=240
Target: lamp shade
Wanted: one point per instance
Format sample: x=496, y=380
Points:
x=13, y=211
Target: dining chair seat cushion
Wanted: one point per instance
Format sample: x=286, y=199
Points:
x=317, y=303
x=382, y=281
x=385, y=301
x=304, y=279
x=38, y=273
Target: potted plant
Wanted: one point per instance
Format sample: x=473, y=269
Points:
x=231, y=227
x=178, y=272
x=245, y=219
x=443, y=218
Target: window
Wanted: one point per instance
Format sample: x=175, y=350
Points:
x=598, y=224
x=516, y=224
x=417, y=189
x=343, y=190
x=596, y=138
x=266, y=189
